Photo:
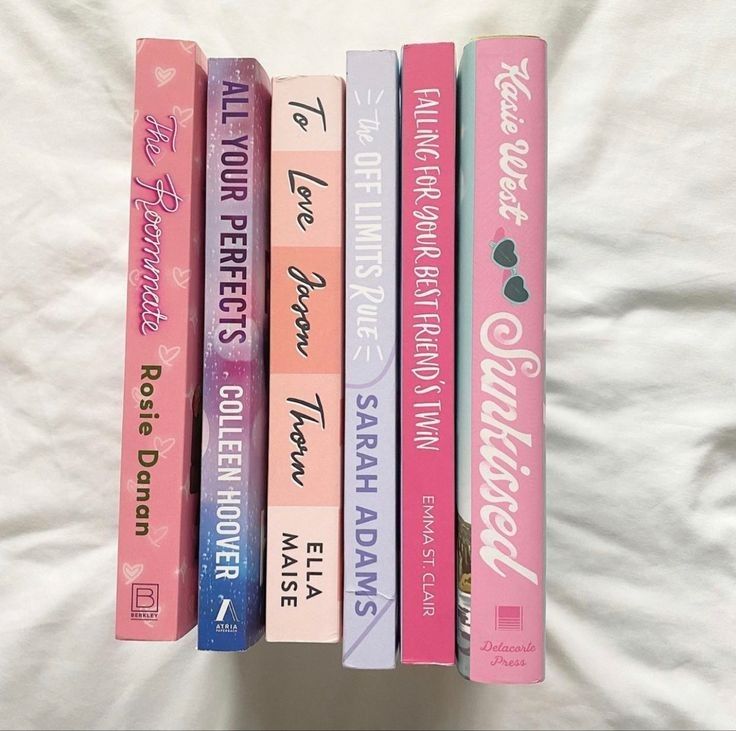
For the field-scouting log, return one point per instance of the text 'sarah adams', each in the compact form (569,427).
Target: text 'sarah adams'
(303,588)
(502,216)
(234,397)
(159,473)
(428,352)
(371,371)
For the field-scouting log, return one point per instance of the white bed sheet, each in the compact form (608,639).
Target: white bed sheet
(641,345)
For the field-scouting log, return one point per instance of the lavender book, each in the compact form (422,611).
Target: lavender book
(371,225)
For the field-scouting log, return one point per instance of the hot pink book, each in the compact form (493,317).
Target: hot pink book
(159,474)
(500,426)
(427,354)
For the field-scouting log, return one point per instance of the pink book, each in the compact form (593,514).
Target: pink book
(427,354)
(159,474)
(500,466)
(304,563)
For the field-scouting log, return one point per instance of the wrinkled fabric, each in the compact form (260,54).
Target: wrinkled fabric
(641,404)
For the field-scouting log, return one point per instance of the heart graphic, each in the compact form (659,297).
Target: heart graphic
(168,355)
(181,277)
(134,277)
(158,535)
(164,445)
(163,76)
(183,115)
(515,291)
(139,44)
(131,486)
(188,47)
(136,393)
(149,624)
(132,572)
(500,233)
(504,254)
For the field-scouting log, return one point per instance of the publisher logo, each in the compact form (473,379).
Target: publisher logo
(509,618)
(144,602)
(227,618)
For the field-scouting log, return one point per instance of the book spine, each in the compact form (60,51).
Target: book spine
(371,324)
(231,589)
(427,355)
(159,475)
(502,220)
(304,569)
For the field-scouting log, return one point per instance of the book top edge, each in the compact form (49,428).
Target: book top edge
(310,77)
(430,44)
(235,59)
(166,40)
(361,51)
(477,39)
(218,64)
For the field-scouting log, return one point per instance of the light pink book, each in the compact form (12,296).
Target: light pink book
(501,303)
(159,473)
(303,554)
(427,354)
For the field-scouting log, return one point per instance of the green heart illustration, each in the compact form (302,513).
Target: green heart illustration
(515,291)
(504,254)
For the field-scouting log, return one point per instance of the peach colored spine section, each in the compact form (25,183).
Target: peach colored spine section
(303,594)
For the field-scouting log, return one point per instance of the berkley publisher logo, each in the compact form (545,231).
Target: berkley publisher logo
(144,602)
(227,618)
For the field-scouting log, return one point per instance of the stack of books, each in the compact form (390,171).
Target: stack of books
(334,377)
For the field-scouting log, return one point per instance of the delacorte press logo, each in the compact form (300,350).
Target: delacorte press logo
(227,618)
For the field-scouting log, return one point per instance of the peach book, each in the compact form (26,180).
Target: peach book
(303,587)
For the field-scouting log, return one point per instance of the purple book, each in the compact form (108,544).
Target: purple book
(234,453)
(371,321)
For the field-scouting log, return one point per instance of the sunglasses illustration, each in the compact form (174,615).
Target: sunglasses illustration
(505,256)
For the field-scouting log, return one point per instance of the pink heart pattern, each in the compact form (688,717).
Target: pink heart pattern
(181,277)
(164,445)
(158,535)
(163,76)
(134,277)
(132,572)
(168,355)
(183,115)
(136,393)
(139,44)
(188,47)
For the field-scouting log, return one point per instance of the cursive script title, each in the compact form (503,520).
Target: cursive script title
(511,82)
(155,199)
